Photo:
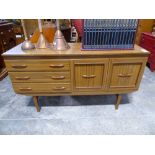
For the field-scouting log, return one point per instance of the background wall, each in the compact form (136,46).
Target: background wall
(31,25)
(145,25)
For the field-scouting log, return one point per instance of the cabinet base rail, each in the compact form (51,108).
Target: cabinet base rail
(117,103)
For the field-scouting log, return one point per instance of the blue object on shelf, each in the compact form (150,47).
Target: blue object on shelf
(100,34)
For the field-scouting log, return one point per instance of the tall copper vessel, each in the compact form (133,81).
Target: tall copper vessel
(42,42)
(59,42)
(26,45)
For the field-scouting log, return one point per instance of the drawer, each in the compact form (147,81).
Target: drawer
(40,77)
(41,87)
(37,65)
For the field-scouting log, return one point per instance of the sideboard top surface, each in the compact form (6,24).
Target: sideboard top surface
(75,50)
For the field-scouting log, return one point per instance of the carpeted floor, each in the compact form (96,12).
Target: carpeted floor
(79,114)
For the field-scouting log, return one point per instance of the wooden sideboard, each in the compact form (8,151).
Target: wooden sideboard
(45,72)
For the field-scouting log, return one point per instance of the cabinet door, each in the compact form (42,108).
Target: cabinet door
(126,73)
(90,74)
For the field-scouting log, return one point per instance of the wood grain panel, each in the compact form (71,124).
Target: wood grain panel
(41,87)
(125,73)
(73,52)
(53,77)
(90,74)
(35,65)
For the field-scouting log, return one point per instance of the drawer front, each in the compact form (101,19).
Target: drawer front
(24,88)
(40,77)
(89,75)
(126,73)
(37,65)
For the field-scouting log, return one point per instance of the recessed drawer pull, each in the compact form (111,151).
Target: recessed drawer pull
(57,77)
(22,78)
(123,75)
(55,66)
(59,88)
(19,66)
(25,89)
(88,76)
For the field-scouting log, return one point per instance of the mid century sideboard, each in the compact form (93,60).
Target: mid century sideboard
(45,72)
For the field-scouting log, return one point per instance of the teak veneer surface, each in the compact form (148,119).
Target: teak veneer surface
(75,50)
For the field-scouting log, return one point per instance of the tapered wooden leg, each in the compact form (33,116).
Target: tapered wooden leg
(35,100)
(118,100)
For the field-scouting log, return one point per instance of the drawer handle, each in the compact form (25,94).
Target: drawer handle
(59,88)
(19,66)
(55,66)
(88,76)
(25,89)
(22,78)
(123,75)
(57,77)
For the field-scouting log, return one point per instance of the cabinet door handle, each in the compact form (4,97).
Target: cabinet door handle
(56,66)
(25,89)
(22,78)
(57,77)
(19,66)
(59,88)
(88,76)
(124,75)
